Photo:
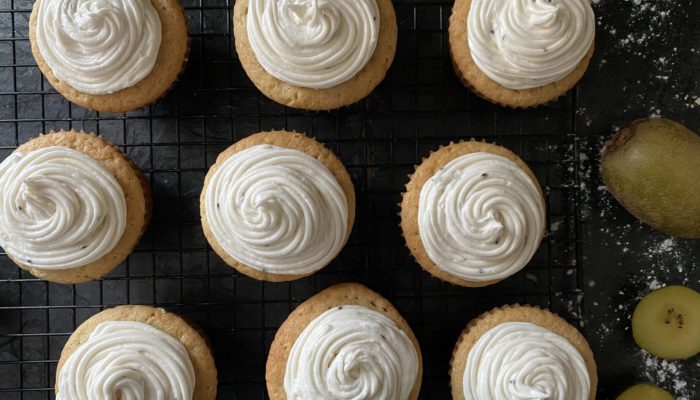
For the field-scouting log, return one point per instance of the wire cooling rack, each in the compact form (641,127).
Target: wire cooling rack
(418,107)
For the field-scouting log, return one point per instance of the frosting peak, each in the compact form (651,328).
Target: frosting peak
(59,208)
(98,46)
(523,44)
(543,14)
(313,43)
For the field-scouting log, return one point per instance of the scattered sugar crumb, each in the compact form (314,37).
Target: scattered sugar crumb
(555,226)
(654,284)
(532,277)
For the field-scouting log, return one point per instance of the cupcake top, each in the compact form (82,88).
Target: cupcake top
(315,44)
(59,208)
(523,44)
(481,217)
(523,361)
(98,46)
(351,352)
(277,210)
(127,360)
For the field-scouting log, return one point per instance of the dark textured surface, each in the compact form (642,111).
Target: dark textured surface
(591,268)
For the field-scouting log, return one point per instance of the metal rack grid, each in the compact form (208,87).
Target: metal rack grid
(418,107)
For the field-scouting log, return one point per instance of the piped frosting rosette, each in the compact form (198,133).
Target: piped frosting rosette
(277,210)
(99,46)
(316,44)
(481,217)
(127,360)
(523,361)
(59,208)
(351,352)
(524,44)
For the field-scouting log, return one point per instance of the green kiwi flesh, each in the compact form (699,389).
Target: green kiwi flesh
(666,323)
(645,392)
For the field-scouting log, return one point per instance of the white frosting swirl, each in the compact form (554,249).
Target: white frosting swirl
(277,210)
(313,43)
(98,46)
(59,208)
(351,353)
(481,217)
(523,361)
(127,360)
(523,44)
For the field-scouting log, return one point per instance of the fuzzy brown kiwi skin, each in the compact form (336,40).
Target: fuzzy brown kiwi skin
(652,167)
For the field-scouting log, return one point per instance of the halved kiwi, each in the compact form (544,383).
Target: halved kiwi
(666,323)
(645,391)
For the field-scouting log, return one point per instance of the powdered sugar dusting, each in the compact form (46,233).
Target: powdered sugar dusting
(646,38)
(667,374)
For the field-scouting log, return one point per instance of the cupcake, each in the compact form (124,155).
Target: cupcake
(473,214)
(277,206)
(136,352)
(112,56)
(346,342)
(315,55)
(522,352)
(72,206)
(521,53)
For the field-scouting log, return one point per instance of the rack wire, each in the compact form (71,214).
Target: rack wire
(418,107)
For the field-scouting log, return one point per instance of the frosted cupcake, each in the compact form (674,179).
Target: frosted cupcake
(522,352)
(473,214)
(277,206)
(136,352)
(521,53)
(346,342)
(72,206)
(315,54)
(112,56)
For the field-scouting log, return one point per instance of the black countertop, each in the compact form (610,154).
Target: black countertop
(594,264)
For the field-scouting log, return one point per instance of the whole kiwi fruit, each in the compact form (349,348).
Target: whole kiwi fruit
(652,167)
